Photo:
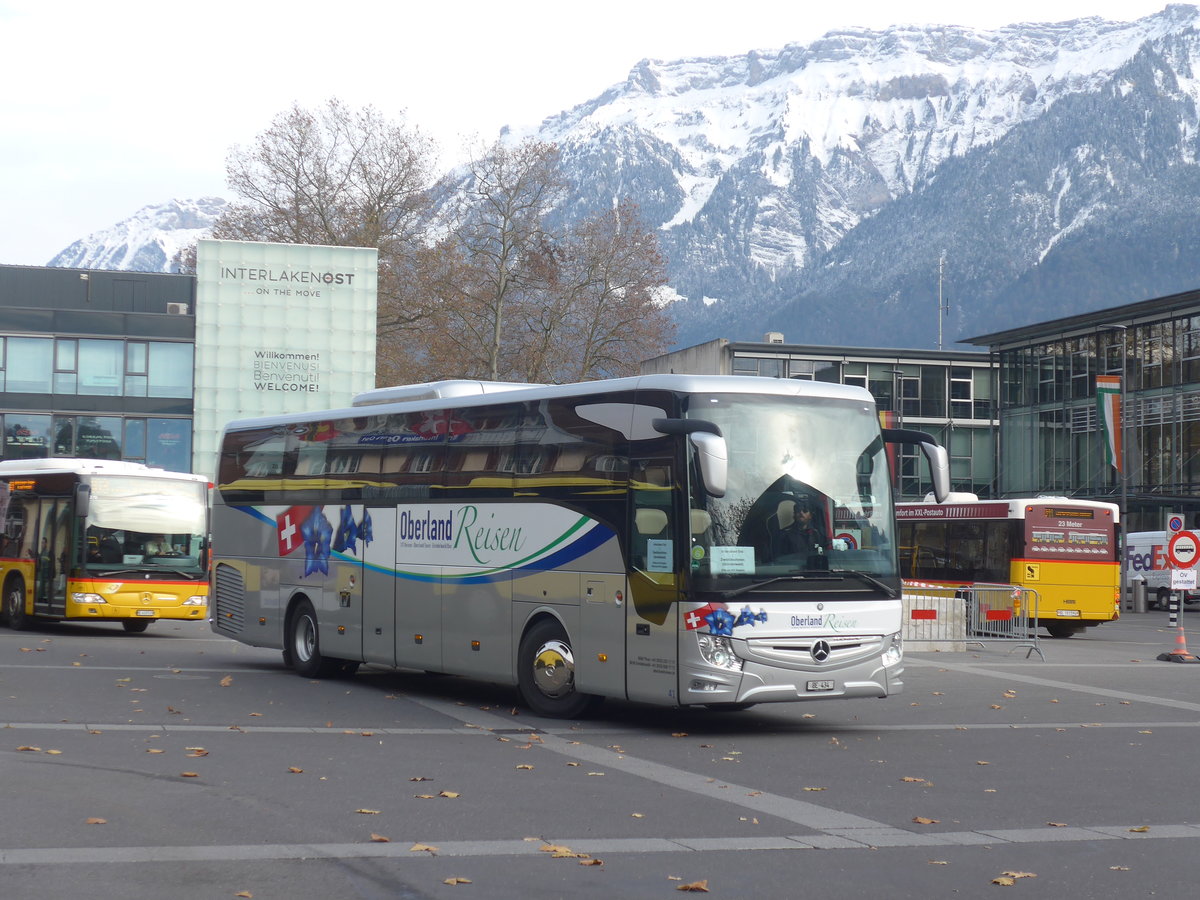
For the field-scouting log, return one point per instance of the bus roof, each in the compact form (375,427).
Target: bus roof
(55,465)
(459,393)
(1008,508)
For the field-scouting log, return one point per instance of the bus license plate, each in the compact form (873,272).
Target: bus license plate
(814,686)
(1068,613)
(145,612)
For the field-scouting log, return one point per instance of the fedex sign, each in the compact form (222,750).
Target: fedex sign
(1146,558)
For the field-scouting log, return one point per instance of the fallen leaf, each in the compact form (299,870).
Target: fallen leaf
(423,847)
(424,796)
(982,762)
(380,839)
(1019,874)
(30,749)
(575,764)
(95,820)
(451,795)
(198,752)
(591,862)
(1118,868)
(295,770)
(913,780)
(1057,824)
(456,880)
(815,789)
(700,887)
(638,815)
(554,848)
(226,681)
(245,895)
(595,773)
(679,734)
(527,766)
(1141,829)
(368,812)
(54,752)
(938,862)
(921,820)
(420,778)
(1004,882)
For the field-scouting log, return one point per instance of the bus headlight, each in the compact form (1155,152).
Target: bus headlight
(81,597)
(893,649)
(196,601)
(718,651)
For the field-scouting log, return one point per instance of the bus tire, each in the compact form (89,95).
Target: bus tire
(728,707)
(546,672)
(135,626)
(303,649)
(14,604)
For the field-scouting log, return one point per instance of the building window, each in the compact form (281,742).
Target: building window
(30,363)
(170,370)
(962,393)
(169,444)
(101,367)
(136,380)
(745,365)
(26,437)
(66,366)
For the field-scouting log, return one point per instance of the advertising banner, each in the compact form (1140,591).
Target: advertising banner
(279,328)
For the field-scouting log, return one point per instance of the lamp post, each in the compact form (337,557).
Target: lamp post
(1124,468)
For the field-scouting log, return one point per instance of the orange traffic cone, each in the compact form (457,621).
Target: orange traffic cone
(1180,653)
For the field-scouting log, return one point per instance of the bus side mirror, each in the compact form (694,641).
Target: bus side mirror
(711,452)
(713,457)
(83,500)
(935,453)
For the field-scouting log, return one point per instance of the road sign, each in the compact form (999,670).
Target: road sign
(1183,549)
(1174,523)
(1183,579)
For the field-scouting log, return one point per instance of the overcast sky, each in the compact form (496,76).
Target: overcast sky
(109,107)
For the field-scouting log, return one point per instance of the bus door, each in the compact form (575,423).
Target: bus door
(654,548)
(401,615)
(52,557)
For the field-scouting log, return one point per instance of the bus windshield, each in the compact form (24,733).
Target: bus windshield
(136,522)
(808,498)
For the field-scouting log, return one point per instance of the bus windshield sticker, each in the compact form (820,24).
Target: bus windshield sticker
(658,555)
(732,560)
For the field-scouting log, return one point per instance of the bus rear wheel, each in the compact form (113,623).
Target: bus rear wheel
(546,673)
(14,605)
(303,647)
(135,626)
(1064,631)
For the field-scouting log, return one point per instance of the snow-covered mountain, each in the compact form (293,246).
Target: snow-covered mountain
(148,240)
(815,189)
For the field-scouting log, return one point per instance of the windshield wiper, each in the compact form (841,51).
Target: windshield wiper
(871,580)
(836,575)
(737,592)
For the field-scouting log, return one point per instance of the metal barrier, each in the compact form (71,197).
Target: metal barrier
(934,619)
(1003,613)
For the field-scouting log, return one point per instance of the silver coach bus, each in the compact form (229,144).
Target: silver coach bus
(670,539)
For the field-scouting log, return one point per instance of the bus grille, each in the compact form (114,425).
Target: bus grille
(229,603)
(797,652)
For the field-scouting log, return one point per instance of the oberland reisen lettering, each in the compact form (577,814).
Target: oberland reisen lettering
(242,273)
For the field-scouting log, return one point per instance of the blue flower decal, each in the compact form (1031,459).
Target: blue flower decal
(364,528)
(316,532)
(347,532)
(720,622)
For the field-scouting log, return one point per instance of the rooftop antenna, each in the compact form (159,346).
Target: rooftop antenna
(943,308)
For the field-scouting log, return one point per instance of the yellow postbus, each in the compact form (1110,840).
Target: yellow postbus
(1064,549)
(102,540)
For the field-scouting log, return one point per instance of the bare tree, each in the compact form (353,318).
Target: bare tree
(499,234)
(605,313)
(341,177)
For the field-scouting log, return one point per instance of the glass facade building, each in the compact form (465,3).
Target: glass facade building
(950,394)
(1051,439)
(96,364)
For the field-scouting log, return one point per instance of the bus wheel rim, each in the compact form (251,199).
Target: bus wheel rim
(554,669)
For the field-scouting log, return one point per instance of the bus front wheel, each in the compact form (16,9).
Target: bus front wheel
(14,605)
(135,626)
(546,673)
(303,650)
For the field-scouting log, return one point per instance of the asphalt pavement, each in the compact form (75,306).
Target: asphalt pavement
(178,763)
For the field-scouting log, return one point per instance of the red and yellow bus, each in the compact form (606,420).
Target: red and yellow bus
(102,540)
(1064,549)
